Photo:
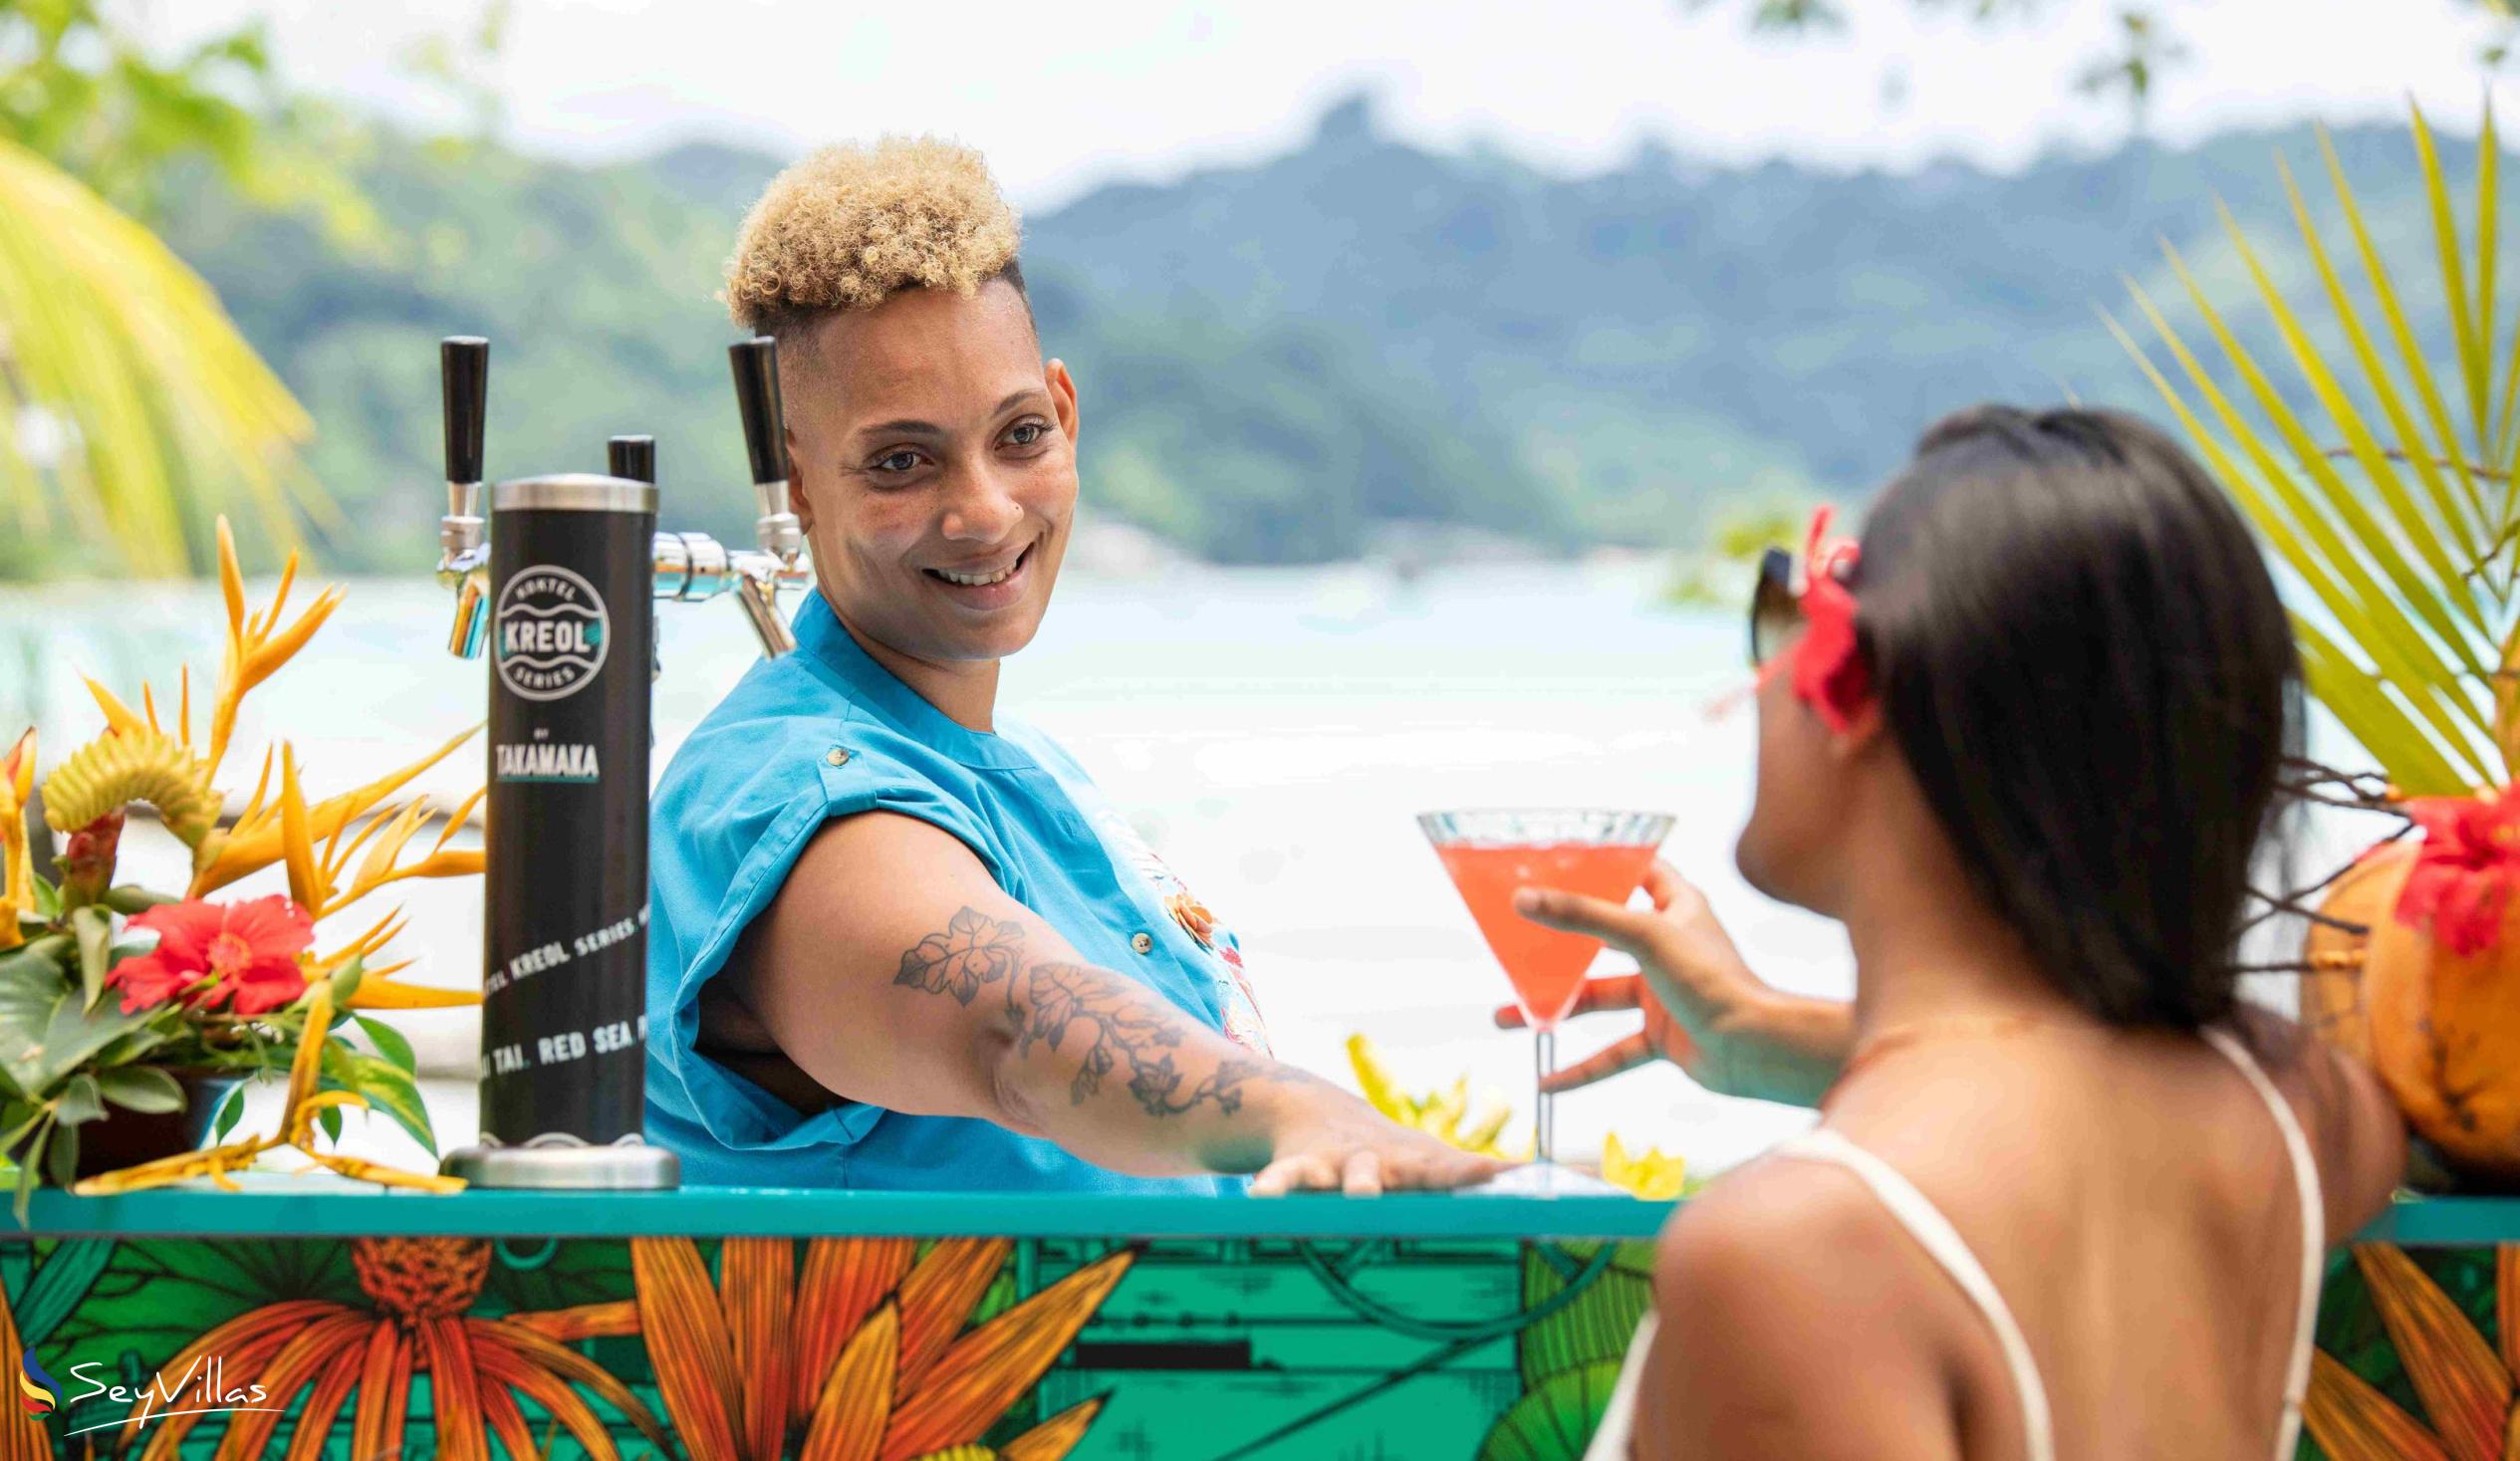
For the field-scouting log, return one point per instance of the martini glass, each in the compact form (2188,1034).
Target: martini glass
(1601,854)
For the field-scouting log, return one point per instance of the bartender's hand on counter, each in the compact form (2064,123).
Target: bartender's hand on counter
(1703,1009)
(892,970)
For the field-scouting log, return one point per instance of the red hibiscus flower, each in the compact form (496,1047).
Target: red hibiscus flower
(2465,868)
(1829,670)
(248,951)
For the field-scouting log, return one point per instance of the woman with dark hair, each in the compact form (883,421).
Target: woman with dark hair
(2069,1196)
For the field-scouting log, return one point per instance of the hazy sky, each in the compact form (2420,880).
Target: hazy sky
(1064,96)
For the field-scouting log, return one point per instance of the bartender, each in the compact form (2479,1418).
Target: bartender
(898,941)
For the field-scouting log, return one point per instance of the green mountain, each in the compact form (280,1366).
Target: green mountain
(1278,361)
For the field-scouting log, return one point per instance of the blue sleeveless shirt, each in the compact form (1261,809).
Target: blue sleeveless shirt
(829,732)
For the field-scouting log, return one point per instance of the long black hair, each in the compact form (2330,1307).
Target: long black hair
(2081,655)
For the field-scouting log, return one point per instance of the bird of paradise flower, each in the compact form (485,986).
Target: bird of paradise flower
(142,758)
(2467,1386)
(858,1354)
(415,1322)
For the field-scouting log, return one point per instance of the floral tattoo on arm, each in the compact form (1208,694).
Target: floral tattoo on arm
(1116,1028)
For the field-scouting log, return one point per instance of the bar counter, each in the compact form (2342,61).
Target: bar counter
(759,1323)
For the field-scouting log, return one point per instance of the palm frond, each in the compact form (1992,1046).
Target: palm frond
(2465,331)
(2410,351)
(2311,546)
(162,414)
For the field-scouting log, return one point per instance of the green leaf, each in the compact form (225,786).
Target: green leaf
(61,1155)
(1555,1420)
(47,899)
(142,1089)
(345,984)
(390,1042)
(2410,528)
(125,1049)
(2455,517)
(129,897)
(2410,352)
(2417,594)
(44,957)
(2488,165)
(2369,714)
(18,1118)
(29,1163)
(2348,593)
(330,1118)
(391,1089)
(45,1033)
(81,1100)
(231,1111)
(174,415)
(94,928)
(65,1278)
(2464,329)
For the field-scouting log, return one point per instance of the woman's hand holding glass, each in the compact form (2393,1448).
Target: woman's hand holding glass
(1705,1011)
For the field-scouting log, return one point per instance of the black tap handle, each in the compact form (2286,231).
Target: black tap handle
(634,457)
(464,362)
(756,363)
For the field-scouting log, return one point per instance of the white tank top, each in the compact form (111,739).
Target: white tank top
(1941,1242)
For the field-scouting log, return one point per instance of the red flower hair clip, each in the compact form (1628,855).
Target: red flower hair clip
(1827,666)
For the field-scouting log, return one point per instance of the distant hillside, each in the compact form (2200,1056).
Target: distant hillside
(1277,360)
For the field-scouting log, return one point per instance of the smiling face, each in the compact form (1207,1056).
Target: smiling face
(934,454)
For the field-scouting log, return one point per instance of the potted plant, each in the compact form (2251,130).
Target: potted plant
(129,1017)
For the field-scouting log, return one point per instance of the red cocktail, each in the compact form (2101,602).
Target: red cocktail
(1601,854)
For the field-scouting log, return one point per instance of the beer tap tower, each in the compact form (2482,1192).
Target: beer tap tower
(560,584)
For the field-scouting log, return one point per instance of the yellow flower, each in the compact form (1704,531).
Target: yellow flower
(1440,1114)
(254,651)
(1652,1176)
(17,863)
(259,839)
(121,767)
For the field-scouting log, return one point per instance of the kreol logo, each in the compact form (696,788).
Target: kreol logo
(37,1392)
(551,631)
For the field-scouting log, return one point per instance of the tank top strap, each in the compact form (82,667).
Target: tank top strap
(2314,1224)
(1942,1243)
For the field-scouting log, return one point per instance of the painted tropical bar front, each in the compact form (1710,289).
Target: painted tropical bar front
(307,1318)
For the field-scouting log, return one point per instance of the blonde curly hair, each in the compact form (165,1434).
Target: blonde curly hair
(850,226)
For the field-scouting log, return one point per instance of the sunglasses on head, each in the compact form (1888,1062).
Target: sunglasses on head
(1809,634)
(1776,612)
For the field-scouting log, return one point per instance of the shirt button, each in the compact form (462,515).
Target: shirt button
(1143,943)
(836,756)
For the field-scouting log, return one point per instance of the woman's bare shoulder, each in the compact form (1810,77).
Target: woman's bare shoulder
(1796,1322)
(2356,1137)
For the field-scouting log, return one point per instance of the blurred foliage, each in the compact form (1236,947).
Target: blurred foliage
(1718,573)
(2142,42)
(82,84)
(131,412)
(1355,347)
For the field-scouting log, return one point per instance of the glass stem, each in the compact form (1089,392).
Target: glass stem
(1544,1111)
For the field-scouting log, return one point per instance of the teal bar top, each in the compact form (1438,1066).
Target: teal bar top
(272,1206)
